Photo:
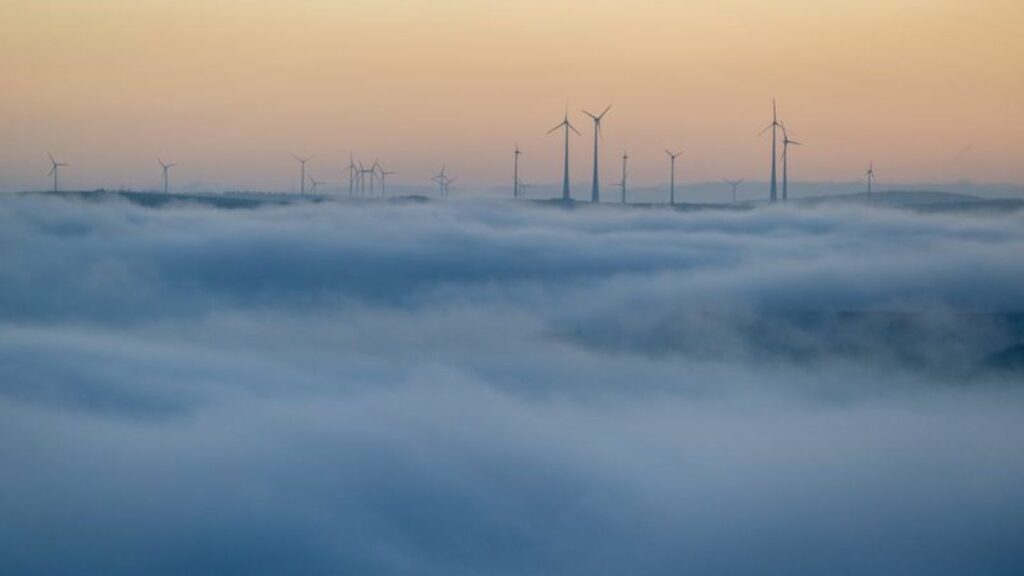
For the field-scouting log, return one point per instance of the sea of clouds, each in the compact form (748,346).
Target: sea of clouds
(508,389)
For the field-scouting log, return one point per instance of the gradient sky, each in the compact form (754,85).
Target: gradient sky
(931,90)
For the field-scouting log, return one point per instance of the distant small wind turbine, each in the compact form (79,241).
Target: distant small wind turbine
(595,192)
(672,176)
(55,172)
(314,185)
(786,143)
(363,173)
(565,124)
(164,169)
(515,171)
(443,181)
(625,161)
(774,126)
(735,184)
(374,173)
(383,175)
(871,178)
(351,175)
(302,176)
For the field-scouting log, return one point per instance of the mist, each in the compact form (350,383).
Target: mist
(490,387)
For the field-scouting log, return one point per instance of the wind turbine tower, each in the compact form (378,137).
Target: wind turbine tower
(786,143)
(567,126)
(302,176)
(55,172)
(351,175)
(515,171)
(595,192)
(165,168)
(625,161)
(774,126)
(672,176)
(871,178)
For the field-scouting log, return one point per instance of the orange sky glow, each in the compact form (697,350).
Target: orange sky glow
(931,90)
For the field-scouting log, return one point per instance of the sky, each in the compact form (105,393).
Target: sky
(930,90)
(474,387)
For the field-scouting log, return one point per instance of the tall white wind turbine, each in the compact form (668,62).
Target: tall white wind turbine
(595,192)
(774,126)
(567,126)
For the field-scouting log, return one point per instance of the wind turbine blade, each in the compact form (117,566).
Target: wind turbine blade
(573,128)
(51,158)
(556,127)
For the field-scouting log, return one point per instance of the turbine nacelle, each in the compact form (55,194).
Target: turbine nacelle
(567,125)
(597,118)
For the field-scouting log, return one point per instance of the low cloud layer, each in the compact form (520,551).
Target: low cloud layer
(499,388)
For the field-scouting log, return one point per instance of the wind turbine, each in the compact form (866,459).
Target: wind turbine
(735,184)
(871,178)
(361,176)
(362,171)
(55,172)
(374,169)
(165,168)
(565,171)
(774,126)
(786,143)
(595,192)
(625,161)
(383,178)
(351,175)
(302,177)
(443,181)
(315,185)
(515,171)
(672,178)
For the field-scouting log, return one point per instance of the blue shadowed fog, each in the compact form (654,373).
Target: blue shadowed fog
(473,388)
